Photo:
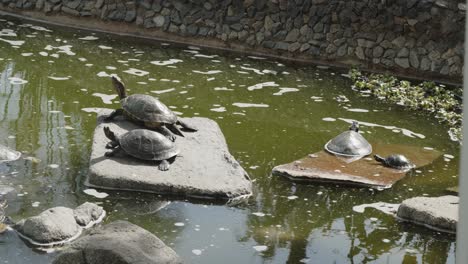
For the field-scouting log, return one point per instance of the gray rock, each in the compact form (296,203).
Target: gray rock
(119,242)
(294,46)
(425,64)
(88,213)
(377,52)
(399,41)
(304,47)
(292,35)
(159,20)
(403,53)
(360,53)
(402,62)
(342,50)
(281,45)
(53,225)
(413,59)
(204,169)
(439,213)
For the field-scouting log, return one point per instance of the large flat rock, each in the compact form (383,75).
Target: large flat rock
(439,213)
(325,167)
(205,168)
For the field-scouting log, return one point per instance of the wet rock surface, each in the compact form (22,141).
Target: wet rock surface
(204,167)
(59,224)
(325,167)
(7,154)
(440,213)
(120,242)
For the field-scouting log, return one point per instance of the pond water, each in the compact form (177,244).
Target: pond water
(271,113)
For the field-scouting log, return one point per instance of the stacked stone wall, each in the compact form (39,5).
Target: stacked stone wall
(420,37)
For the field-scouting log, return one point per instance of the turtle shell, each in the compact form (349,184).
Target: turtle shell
(148,145)
(146,108)
(398,161)
(350,144)
(7,154)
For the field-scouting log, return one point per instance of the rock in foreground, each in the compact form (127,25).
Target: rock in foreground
(439,213)
(204,167)
(59,225)
(119,242)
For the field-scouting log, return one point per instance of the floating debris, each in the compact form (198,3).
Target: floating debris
(243,105)
(93,192)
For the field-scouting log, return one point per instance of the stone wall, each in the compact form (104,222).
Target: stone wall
(414,37)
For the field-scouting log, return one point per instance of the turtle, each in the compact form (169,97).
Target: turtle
(396,161)
(7,154)
(349,143)
(4,220)
(148,111)
(143,144)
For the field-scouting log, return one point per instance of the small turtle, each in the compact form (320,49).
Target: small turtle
(349,143)
(143,144)
(149,111)
(7,154)
(396,161)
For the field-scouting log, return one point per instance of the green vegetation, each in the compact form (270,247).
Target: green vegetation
(445,104)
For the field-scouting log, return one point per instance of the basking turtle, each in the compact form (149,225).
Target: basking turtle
(7,154)
(395,161)
(149,111)
(349,143)
(143,144)
(3,218)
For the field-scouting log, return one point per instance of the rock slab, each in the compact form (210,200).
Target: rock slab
(119,242)
(439,213)
(325,167)
(59,225)
(204,167)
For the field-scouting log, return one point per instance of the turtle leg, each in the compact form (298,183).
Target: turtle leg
(112,152)
(174,129)
(111,145)
(186,126)
(113,114)
(164,165)
(167,133)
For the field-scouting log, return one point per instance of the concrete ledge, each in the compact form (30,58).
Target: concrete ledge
(204,169)
(438,213)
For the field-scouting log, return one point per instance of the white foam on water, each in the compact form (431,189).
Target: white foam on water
(256,58)
(194,48)
(292,197)
(199,55)
(111,68)
(55,111)
(260,248)
(104,47)
(106,98)
(211,79)
(261,85)
(259,214)
(387,208)
(35,204)
(17,80)
(6,32)
(259,72)
(329,119)
(26,54)
(404,131)
(207,72)
(66,49)
(179,224)
(166,62)
(136,72)
(163,91)
(197,252)
(357,110)
(53,166)
(284,90)
(92,109)
(93,192)
(448,156)
(59,78)
(89,38)
(218,109)
(244,105)
(15,43)
(103,74)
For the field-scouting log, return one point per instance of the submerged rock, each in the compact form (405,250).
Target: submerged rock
(204,167)
(7,154)
(119,242)
(439,213)
(59,225)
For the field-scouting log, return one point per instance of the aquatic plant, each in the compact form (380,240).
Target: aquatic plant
(442,102)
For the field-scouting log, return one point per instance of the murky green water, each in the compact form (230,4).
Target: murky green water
(48,80)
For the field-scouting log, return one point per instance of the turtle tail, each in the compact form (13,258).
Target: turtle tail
(109,134)
(174,129)
(119,87)
(186,126)
(379,159)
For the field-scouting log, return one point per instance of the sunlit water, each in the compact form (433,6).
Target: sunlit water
(52,82)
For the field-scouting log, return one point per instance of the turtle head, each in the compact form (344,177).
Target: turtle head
(110,135)
(354,127)
(379,158)
(119,86)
